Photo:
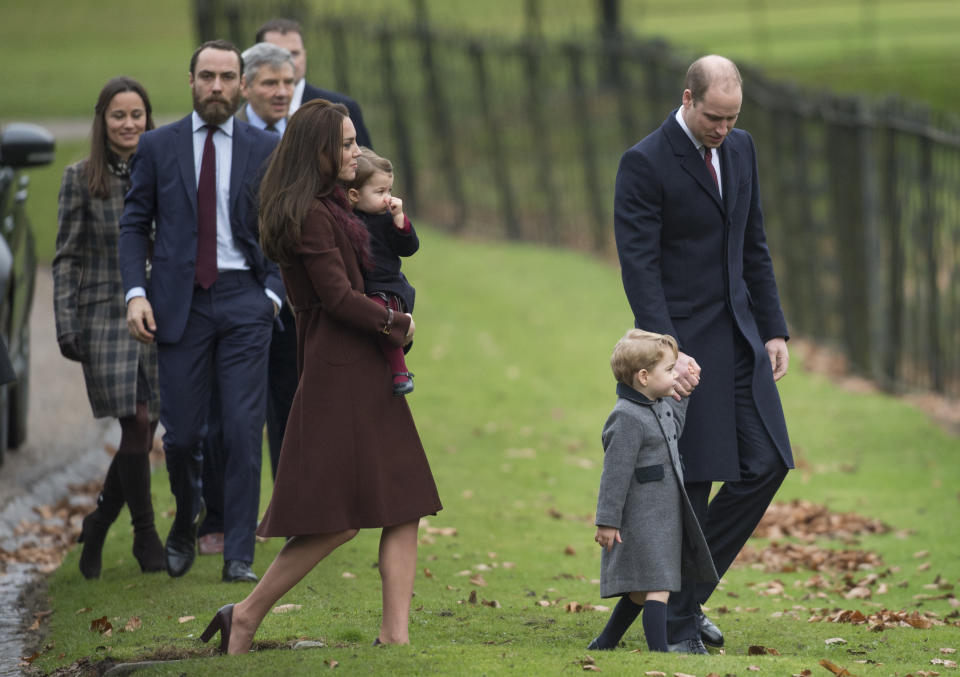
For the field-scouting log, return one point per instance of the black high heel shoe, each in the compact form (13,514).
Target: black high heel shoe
(222,622)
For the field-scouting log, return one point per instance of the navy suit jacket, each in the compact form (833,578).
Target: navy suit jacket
(310,93)
(164,191)
(697,267)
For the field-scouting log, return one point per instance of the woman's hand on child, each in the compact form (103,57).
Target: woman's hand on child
(396,209)
(607,537)
(410,331)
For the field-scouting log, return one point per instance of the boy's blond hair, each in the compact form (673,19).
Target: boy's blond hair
(639,349)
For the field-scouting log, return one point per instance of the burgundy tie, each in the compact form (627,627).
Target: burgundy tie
(206,270)
(708,158)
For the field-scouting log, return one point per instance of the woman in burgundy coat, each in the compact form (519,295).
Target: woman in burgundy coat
(351,455)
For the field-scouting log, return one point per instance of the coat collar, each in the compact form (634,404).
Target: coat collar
(628,393)
(692,162)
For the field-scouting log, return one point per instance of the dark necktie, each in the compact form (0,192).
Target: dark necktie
(206,270)
(708,158)
(271,128)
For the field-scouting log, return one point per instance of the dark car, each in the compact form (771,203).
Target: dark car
(21,145)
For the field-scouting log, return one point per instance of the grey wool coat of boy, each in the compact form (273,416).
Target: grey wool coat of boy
(642,495)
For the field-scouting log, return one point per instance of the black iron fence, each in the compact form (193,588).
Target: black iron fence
(520,139)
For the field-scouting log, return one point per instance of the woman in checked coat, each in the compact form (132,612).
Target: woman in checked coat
(120,373)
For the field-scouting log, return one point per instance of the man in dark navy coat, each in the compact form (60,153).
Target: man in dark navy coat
(210,300)
(695,265)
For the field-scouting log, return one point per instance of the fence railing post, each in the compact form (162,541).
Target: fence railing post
(893,214)
(928,231)
(588,147)
(403,158)
(498,164)
(845,167)
(540,130)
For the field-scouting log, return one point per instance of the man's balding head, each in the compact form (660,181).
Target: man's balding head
(712,71)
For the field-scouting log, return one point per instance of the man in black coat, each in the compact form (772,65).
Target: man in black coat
(695,265)
(282,380)
(287,34)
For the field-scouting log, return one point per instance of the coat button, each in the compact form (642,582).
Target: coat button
(668,413)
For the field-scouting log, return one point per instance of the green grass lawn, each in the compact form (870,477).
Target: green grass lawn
(513,386)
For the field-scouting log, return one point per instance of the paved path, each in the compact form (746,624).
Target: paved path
(65,445)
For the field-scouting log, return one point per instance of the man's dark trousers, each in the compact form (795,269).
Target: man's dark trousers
(730,518)
(282,382)
(226,338)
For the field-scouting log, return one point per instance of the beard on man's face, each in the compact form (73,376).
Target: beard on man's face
(215,109)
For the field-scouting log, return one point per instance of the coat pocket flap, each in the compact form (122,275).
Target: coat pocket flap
(649,473)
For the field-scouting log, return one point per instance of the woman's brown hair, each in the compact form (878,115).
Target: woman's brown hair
(303,168)
(97,170)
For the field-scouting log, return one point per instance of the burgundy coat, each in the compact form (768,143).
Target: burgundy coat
(351,455)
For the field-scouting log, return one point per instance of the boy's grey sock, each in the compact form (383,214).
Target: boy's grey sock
(655,625)
(623,615)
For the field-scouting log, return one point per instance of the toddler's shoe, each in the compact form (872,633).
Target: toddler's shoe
(402,383)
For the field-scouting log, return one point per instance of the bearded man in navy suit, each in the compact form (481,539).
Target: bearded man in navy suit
(210,300)
(695,265)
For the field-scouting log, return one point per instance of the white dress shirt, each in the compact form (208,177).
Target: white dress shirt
(297,96)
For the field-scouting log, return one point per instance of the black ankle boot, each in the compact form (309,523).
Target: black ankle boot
(135,476)
(97,523)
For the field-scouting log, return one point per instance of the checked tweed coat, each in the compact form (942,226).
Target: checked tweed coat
(88,296)
(642,495)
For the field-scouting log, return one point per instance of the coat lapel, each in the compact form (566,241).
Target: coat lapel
(238,169)
(690,159)
(183,142)
(729,161)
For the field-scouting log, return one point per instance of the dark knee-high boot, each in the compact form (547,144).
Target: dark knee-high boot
(97,523)
(135,475)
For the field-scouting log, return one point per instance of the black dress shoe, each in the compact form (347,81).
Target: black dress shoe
(688,646)
(238,571)
(709,633)
(181,547)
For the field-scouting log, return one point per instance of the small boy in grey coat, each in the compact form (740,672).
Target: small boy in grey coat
(645,523)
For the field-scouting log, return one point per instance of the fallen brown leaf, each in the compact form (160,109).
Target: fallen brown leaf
(133,624)
(569,550)
(185,619)
(478,580)
(835,669)
(427,573)
(101,625)
(834,640)
(347,574)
